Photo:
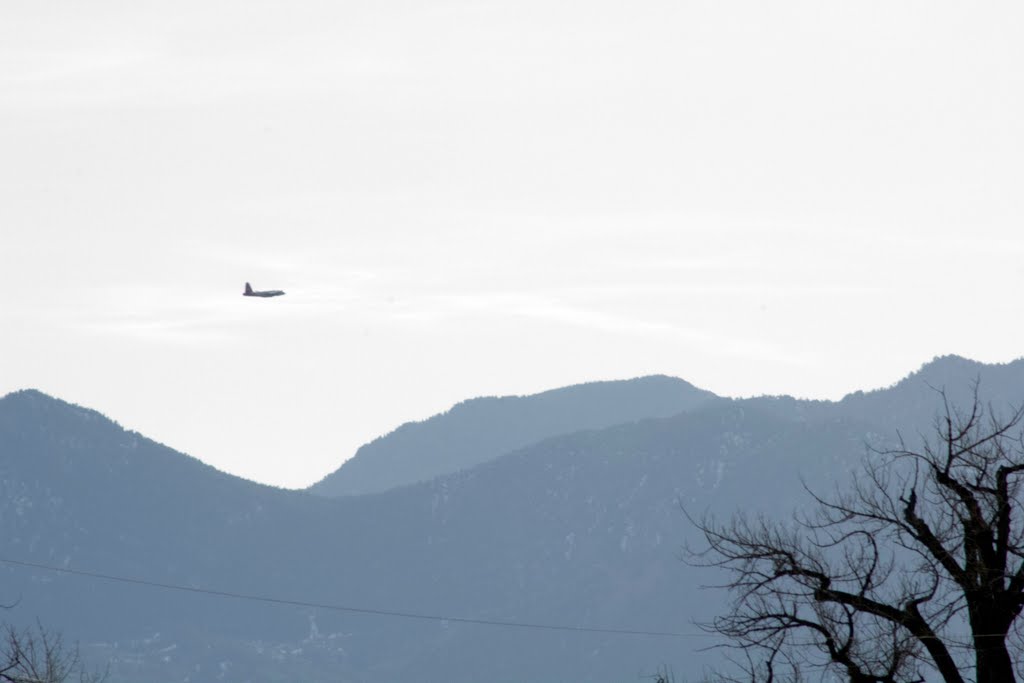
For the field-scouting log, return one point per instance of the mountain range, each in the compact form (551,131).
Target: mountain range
(482,429)
(514,539)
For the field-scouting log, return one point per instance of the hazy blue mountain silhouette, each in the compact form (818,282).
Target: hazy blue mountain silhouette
(912,403)
(482,429)
(915,399)
(582,529)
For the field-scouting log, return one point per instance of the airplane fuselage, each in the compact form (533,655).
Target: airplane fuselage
(249,291)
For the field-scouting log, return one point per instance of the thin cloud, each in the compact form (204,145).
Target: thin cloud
(35,67)
(178,332)
(544,314)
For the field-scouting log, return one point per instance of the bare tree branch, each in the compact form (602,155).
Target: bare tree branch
(874,583)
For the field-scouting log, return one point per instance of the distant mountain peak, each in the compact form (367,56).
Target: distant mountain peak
(27,395)
(953,369)
(35,396)
(946,363)
(36,402)
(480,429)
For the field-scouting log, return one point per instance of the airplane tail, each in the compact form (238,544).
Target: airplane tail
(248,288)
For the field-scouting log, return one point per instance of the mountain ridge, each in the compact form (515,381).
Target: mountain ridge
(479,429)
(578,529)
(49,413)
(581,529)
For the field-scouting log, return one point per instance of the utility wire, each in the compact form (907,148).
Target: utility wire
(388,613)
(346,608)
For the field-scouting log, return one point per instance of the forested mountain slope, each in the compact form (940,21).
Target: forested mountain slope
(482,429)
(582,530)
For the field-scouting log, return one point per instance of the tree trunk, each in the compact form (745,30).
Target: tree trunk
(993,661)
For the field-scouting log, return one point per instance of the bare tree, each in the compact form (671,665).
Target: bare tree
(919,565)
(764,663)
(36,655)
(776,616)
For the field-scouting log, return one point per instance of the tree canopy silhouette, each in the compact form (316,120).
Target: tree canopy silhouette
(916,567)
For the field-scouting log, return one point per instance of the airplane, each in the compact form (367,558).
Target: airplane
(249,291)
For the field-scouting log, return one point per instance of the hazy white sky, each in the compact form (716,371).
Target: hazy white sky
(471,198)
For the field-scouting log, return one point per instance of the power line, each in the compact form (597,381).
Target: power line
(347,608)
(383,612)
